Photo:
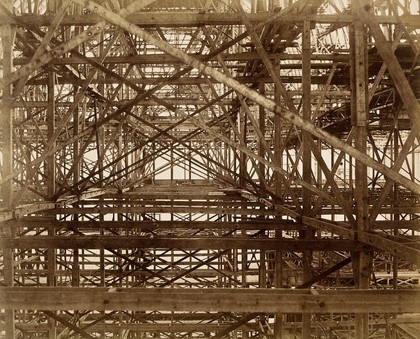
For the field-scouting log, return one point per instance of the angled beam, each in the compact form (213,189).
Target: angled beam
(44,43)
(252,95)
(385,49)
(325,274)
(68,324)
(265,58)
(57,51)
(192,269)
(242,321)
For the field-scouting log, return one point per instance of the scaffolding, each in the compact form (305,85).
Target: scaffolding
(209,169)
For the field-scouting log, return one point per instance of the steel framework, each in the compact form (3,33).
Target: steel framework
(209,169)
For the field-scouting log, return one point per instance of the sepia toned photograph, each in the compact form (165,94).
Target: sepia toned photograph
(219,169)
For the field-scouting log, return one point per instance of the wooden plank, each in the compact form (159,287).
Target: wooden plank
(229,300)
(188,19)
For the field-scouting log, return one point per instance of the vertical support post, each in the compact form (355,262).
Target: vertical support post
(76,179)
(306,158)
(261,151)
(100,140)
(362,260)
(263,270)
(119,154)
(392,333)
(7,36)
(242,176)
(50,175)
(52,281)
(76,143)
(7,40)
(171,168)
(396,216)
(50,163)
(51,6)
(242,156)
(244,262)
(278,264)
(9,317)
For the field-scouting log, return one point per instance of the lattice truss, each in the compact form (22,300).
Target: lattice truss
(209,168)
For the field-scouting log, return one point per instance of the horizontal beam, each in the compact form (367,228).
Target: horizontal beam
(164,209)
(402,250)
(316,80)
(138,327)
(201,327)
(162,58)
(341,229)
(228,300)
(22,210)
(193,19)
(156,225)
(215,243)
(172,101)
(400,224)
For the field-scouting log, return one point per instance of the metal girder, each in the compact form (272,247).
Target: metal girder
(229,300)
